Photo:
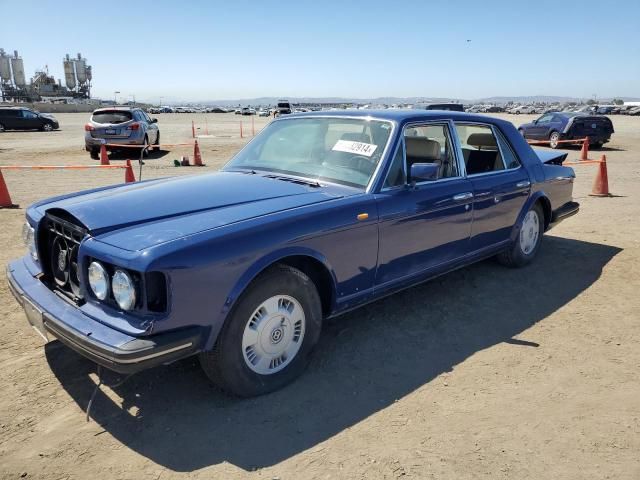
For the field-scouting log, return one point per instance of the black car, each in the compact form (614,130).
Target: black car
(555,126)
(18,118)
(452,107)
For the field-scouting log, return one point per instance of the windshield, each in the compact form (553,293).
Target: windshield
(340,150)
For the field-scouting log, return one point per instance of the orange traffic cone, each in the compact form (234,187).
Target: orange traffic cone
(584,154)
(104,158)
(129,177)
(601,183)
(197,158)
(5,198)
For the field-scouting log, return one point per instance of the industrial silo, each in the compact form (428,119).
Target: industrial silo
(5,67)
(81,72)
(69,73)
(18,70)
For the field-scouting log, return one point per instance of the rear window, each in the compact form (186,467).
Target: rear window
(112,116)
(284,105)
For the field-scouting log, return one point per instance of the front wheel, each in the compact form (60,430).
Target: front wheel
(554,139)
(267,339)
(47,127)
(524,249)
(596,145)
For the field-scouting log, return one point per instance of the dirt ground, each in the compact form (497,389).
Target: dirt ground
(486,372)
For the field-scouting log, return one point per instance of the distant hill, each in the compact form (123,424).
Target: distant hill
(396,100)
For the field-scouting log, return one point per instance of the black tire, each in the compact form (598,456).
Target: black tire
(2,129)
(95,154)
(145,148)
(553,139)
(46,127)
(515,257)
(596,145)
(225,365)
(157,142)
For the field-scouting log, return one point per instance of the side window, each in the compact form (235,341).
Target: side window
(508,155)
(28,114)
(431,144)
(545,119)
(396,175)
(480,149)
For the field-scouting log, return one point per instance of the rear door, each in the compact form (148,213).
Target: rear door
(501,184)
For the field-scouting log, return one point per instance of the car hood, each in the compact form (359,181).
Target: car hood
(140,215)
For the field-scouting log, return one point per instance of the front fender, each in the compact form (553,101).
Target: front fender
(255,269)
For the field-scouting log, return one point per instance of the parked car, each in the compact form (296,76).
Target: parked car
(320,213)
(454,107)
(558,126)
(284,107)
(633,111)
(120,125)
(19,118)
(263,113)
(525,109)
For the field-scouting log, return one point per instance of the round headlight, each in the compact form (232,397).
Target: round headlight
(98,280)
(124,290)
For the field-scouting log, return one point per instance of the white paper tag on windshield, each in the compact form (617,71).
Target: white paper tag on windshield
(357,148)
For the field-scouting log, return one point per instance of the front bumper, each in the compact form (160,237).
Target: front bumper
(104,345)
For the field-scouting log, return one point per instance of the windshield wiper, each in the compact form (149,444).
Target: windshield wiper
(301,181)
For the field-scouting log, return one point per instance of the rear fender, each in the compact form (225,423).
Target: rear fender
(536,196)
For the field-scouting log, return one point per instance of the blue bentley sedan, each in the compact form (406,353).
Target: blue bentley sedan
(320,213)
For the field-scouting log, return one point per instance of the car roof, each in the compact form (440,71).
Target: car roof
(400,115)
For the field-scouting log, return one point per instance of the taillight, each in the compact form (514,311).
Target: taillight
(88,127)
(133,126)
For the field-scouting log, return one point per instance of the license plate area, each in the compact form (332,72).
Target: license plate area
(35,318)
(111,131)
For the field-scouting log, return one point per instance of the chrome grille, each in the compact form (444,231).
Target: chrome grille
(62,243)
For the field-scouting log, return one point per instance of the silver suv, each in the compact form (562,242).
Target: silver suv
(120,125)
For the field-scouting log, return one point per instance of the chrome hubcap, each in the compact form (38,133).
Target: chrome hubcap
(529,232)
(273,335)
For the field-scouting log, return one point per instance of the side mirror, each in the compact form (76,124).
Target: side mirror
(421,172)
(154,120)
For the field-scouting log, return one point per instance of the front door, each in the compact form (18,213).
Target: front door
(422,225)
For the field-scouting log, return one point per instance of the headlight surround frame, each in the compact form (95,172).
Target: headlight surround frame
(29,239)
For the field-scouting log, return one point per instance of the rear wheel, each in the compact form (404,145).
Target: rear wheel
(596,145)
(554,139)
(145,147)
(524,249)
(95,154)
(1,127)
(267,340)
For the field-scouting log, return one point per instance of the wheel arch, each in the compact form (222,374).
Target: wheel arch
(310,262)
(537,197)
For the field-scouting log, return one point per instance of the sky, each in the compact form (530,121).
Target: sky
(216,50)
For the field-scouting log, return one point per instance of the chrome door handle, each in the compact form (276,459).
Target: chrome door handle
(524,184)
(462,196)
